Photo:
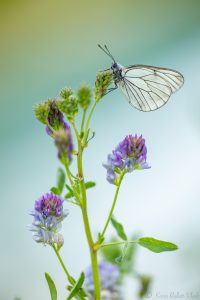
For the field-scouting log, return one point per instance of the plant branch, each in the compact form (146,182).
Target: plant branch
(113,205)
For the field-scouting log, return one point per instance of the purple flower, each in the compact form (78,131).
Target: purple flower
(48,214)
(63,141)
(55,118)
(109,278)
(129,155)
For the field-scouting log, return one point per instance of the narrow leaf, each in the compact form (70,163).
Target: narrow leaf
(90,184)
(60,180)
(55,190)
(70,194)
(119,229)
(156,246)
(77,286)
(52,287)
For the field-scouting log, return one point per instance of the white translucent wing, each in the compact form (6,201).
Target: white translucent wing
(148,88)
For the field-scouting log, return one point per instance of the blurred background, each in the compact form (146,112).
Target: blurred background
(46,45)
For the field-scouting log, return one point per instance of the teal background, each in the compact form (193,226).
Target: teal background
(46,45)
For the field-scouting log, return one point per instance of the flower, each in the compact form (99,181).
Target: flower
(129,155)
(49,114)
(109,277)
(63,141)
(103,80)
(48,214)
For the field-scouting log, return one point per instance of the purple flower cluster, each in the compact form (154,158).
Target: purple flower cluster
(129,155)
(55,118)
(48,214)
(60,131)
(109,277)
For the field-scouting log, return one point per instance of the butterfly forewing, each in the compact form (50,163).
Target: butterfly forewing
(148,88)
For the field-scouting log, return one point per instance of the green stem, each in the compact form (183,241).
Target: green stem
(93,253)
(117,243)
(83,121)
(93,256)
(71,280)
(113,205)
(88,122)
(71,181)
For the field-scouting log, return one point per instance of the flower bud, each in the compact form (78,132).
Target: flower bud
(103,80)
(69,104)
(65,93)
(84,96)
(42,111)
(59,240)
(55,116)
(63,141)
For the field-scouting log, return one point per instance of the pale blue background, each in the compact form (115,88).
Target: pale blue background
(46,45)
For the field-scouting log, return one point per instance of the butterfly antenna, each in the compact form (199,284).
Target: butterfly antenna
(106,51)
(109,53)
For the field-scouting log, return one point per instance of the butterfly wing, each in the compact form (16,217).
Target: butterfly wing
(148,88)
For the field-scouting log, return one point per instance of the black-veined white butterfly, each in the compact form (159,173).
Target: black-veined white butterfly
(146,88)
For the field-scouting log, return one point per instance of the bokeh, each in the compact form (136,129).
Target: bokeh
(48,44)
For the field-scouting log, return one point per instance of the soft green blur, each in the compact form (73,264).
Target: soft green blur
(46,45)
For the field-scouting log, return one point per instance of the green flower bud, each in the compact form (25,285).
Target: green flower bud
(69,106)
(103,80)
(84,96)
(41,111)
(65,93)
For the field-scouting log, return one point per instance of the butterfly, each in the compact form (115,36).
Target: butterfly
(146,88)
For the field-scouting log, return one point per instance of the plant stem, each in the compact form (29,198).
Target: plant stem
(71,181)
(117,243)
(83,121)
(88,122)
(113,205)
(93,253)
(71,280)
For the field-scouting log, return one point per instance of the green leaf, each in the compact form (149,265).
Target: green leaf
(70,194)
(76,287)
(119,228)
(55,190)
(156,246)
(90,184)
(60,180)
(52,287)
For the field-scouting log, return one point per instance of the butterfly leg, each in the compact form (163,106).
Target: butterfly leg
(112,89)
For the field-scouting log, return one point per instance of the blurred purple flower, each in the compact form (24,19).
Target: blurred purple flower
(129,155)
(109,278)
(63,141)
(48,214)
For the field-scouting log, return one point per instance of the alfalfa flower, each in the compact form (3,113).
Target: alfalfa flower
(103,80)
(109,278)
(49,114)
(63,141)
(129,155)
(47,215)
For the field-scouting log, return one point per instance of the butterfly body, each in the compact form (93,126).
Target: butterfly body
(146,88)
(117,70)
